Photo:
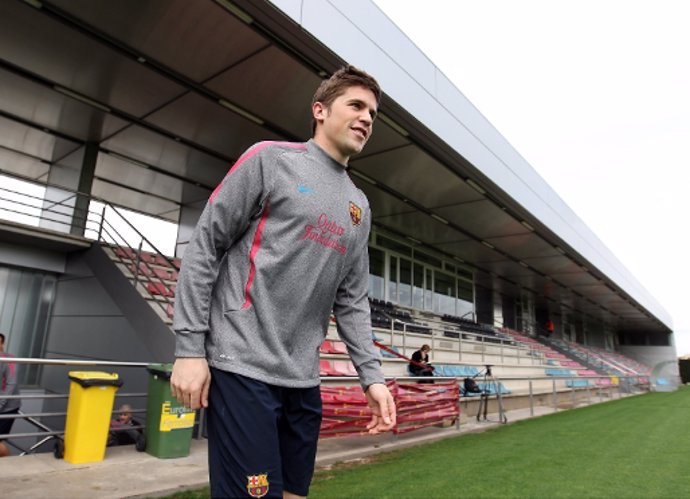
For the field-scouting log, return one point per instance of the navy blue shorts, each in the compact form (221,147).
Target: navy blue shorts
(261,438)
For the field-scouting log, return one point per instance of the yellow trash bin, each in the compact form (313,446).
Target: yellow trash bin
(89,410)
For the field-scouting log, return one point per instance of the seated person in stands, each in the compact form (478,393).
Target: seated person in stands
(420,362)
(126,434)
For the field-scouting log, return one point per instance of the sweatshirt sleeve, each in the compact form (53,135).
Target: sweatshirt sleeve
(233,205)
(353,316)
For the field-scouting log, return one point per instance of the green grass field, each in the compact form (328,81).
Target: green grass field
(637,447)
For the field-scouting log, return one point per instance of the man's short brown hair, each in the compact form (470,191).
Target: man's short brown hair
(335,86)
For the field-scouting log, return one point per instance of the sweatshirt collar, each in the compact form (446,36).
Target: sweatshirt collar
(317,151)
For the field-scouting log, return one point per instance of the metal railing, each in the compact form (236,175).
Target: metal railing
(555,395)
(107,226)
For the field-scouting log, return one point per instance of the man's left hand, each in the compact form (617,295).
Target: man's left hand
(382,405)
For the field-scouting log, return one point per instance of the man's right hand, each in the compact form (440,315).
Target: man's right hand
(190,381)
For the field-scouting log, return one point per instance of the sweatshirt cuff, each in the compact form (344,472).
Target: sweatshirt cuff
(370,373)
(190,344)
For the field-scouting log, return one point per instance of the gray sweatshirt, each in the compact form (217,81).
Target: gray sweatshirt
(281,242)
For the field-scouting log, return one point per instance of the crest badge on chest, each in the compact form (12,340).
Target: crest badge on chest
(355,214)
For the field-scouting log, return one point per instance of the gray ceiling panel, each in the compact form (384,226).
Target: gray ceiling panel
(528,247)
(25,139)
(207,123)
(117,170)
(382,204)
(196,42)
(595,291)
(416,175)
(382,140)
(421,227)
(513,271)
(282,98)
(576,279)
(136,201)
(469,250)
(482,218)
(554,265)
(45,47)
(19,164)
(48,108)
(154,149)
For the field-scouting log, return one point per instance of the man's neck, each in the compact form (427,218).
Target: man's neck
(330,149)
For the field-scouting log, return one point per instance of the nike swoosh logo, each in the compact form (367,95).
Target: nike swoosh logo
(304,189)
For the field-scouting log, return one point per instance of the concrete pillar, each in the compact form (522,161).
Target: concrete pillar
(193,202)
(63,209)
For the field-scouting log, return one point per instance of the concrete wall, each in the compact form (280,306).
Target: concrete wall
(87,323)
(31,258)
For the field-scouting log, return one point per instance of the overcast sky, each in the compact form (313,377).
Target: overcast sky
(595,95)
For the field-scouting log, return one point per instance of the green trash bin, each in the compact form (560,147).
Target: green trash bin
(169,424)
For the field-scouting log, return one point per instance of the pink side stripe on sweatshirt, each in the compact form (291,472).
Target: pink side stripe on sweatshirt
(256,244)
(251,152)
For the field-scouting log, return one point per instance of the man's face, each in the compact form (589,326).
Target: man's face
(344,128)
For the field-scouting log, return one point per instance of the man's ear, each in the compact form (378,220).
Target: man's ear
(319,111)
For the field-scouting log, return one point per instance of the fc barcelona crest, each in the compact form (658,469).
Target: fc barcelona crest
(355,214)
(257,485)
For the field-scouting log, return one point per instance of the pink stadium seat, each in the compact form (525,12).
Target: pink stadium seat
(170,310)
(168,274)
(157,288)
(124,252)
(147,257)
(163,262)
(345,366)
(326,347)
(325,369)
(339,347)
(336,347)
(143,269)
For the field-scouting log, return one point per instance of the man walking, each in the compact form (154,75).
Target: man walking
(281,243)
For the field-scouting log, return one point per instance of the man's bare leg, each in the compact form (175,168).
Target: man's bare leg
(290,495)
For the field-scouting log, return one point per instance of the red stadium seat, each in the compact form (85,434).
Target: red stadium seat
(124,252)
(325,369)
(157,288)
(345,366)
(334,347)
(143,269)
(168,274)
(147,257)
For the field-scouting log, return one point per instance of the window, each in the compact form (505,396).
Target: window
(377,262)
(405,285)
(26,298)
(393,278)
(418,287)
(444,293)
(426,258)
